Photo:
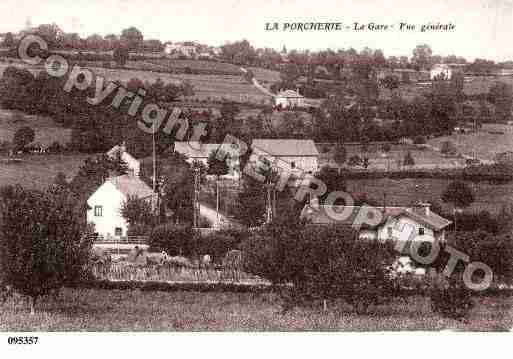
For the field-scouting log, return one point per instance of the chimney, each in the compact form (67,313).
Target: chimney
(123,147)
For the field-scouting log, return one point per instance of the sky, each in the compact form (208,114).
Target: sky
(484,28)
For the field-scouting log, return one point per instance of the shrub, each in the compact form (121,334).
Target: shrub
(175,239)
(408,159)
(448,148)
(217,244)
(419,140)
(322,263)
(43,242)
(450,298)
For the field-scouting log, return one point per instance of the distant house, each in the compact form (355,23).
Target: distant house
(104,205)
(134,165)
(288,99)
(183,49)
(196,151)
(419,219)
(288,154)
(445,70)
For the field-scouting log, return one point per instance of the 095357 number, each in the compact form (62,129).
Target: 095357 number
(22,340)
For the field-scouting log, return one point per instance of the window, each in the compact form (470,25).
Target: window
(98,211)
(389,232)
(118,231)
(421,231)
(292,164)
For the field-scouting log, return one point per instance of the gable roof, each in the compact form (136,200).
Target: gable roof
(289,94)
(131,186)
(286,147)
(119,150)
(319,215)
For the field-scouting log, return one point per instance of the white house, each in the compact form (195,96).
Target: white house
(188,50)
(288,99)
(290,155)
(440,70)
(134,165)
(416,220)
(104,205)
(196,151)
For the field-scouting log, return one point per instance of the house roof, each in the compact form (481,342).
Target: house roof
(131,186)
(119,150)
(286,147)
(321,215)
(203,150)
(289,94)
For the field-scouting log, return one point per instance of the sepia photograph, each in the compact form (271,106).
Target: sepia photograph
(242,166)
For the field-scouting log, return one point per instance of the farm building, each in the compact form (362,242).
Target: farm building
(104,205)
(288,99)
(134,165)
(401,222)
(288,154)
(196,151)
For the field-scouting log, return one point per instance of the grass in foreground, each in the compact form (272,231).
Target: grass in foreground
(116,310)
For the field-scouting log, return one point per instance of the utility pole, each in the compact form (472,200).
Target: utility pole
(195,198)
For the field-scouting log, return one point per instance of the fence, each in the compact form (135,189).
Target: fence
(140,240)
(170,274)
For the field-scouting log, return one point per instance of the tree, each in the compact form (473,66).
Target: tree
(501,95)
(43,241)
(459,194)
(408,159)
(333,181)
(217,164)
(422,56)
(137,212)
(60,180)
(22,138)
(340,154)
(8,40)
(133,38)
(121,55)
(448,148)
(390,82)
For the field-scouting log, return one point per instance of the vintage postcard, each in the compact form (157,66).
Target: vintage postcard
(243,166)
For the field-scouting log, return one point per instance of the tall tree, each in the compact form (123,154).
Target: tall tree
(132,37)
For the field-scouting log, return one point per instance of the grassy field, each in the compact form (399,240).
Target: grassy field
(47,131)
(134,310)
(38,171)
(425,158)
(206,87)
(490,197)
(198,65)
(485,143)
(264,75)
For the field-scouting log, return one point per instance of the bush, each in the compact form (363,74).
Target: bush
(322,263)
(175,239)
(408,159)
(43,242)
(217,244)
(419,140)
(450,298)
(448,148)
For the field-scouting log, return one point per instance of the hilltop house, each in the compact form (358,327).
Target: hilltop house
(104,205)
(134,165)
(288,99)
(288,154)
(419,219)
(196,151)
